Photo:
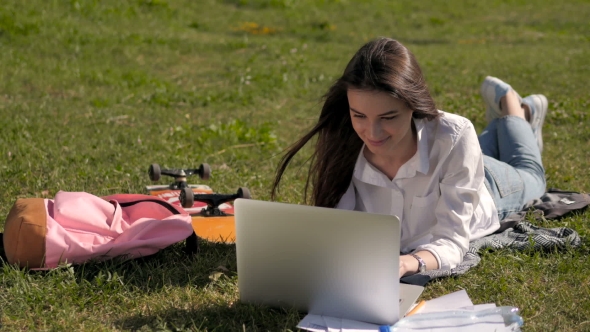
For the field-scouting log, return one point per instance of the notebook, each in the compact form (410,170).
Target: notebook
(321,261)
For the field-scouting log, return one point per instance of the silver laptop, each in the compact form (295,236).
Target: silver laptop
(322,261)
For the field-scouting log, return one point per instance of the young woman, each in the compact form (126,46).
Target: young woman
(383,147)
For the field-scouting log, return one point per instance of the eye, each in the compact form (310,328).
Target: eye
(360,116)
(388,117)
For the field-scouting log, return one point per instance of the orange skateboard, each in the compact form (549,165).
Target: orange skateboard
(212,215)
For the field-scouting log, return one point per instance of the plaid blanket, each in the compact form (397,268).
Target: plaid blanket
(522,236)
(518,234)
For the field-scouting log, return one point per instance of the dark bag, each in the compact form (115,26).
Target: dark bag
(554,204)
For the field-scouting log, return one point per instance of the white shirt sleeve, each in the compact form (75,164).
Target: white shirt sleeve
(461,177)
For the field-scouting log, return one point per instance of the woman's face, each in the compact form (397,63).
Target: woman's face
(383,122)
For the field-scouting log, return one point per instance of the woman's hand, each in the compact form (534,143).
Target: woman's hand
(402,268)
(408,264)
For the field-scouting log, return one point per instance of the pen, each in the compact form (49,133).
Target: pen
(416,308)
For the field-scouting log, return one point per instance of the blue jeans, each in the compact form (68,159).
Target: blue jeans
(512,161)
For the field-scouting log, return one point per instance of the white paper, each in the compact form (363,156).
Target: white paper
(317,323)
(313,323)
(452,301)
(333,324)
(354,326)
(458,300)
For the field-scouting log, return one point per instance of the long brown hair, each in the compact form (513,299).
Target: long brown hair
(383,64)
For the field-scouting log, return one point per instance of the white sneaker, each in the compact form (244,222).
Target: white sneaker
(492,90)
(538,106)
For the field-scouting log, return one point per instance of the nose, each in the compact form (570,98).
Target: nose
(375,130)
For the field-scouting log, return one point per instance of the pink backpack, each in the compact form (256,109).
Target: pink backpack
(76,227)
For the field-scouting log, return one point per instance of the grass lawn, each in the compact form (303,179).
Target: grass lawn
(93,92)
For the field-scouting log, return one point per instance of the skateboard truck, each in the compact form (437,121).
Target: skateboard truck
(188,197)
(179,174)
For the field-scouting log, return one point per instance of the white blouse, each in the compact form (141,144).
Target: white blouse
(439,194)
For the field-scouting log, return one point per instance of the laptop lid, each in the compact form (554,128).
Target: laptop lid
(319,260)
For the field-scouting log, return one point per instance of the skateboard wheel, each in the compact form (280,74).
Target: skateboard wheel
(154,172)
(187,197)
(243,192)
(205,171)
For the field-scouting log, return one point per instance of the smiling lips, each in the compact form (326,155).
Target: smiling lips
(377,143)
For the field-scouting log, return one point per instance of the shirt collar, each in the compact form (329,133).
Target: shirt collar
(420,162)
(364,171)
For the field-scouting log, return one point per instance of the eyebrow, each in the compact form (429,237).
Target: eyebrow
(392,112)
